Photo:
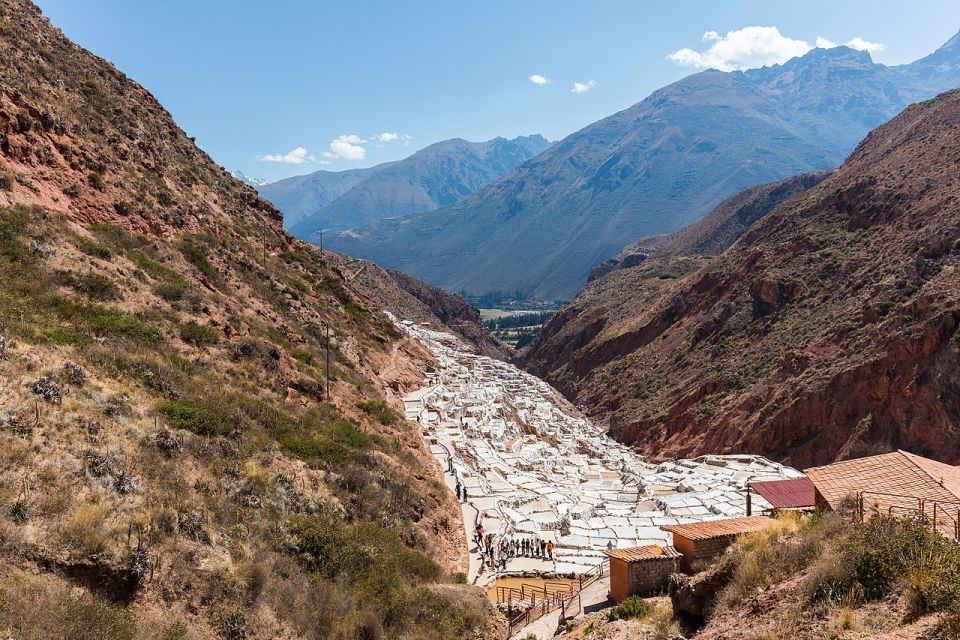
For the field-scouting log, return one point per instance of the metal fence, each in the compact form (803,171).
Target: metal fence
(566,600)
(944,516)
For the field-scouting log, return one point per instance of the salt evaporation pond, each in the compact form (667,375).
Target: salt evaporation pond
(534,466)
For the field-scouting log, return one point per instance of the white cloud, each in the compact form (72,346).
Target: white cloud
(742,49)
(583,87)
(857,43)
(753,47)
(860,44)
(296,156)
(393,136)
(348,147)
(539,79)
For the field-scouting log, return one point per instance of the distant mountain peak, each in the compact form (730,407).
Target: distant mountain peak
(253,182)
(650,169)
(438,175)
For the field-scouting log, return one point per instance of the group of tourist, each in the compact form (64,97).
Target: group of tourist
(496,550)
(461,490)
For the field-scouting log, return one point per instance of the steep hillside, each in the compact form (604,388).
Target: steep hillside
(171,462)
(627,285)
(650,169)
(411,299)
(435,176)
(828,330)
(300,197)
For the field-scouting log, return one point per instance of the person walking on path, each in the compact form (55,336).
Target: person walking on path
(464,493)
(459,490)
(550,549)
(543,548)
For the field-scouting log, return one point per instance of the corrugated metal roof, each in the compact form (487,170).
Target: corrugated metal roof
(637,554)
(900,473)
(786,494)
(719,528)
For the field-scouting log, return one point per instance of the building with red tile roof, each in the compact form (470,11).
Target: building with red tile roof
(898,480)
(793,493)
(709,538)
(641,570)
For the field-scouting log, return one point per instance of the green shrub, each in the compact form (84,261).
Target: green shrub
(194,250)
(6,181)
(335,444)
(379,411)
(885,555)
(302,355)
(94,286)
(631,607)
(96,181)
(94,249)
(171,290)
(121,240)
(199,335)
(96,319)
(194,416)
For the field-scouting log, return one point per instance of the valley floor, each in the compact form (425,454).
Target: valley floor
(535,468)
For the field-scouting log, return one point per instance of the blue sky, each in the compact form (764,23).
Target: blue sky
(285,88)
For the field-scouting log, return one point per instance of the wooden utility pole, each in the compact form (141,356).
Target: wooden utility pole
(328,361)
(263,235)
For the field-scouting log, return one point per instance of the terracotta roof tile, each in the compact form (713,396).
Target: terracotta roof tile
(719,528)
(636,554)
(897,474)
(786,494)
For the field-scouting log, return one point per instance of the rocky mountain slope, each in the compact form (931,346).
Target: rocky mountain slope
(828,330)
(409,298)
(173,460)
(433,177)
(650,169)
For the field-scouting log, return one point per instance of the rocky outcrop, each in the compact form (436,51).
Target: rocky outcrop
(827,330)
(694,597)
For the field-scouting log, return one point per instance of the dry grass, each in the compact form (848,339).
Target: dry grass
(771,555)
(663,626)
(86,532)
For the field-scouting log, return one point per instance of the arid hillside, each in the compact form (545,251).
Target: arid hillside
(171,462)
(828,330)
(415,300)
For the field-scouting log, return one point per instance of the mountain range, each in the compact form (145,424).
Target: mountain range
(826,329)
(650,169)
(435,176)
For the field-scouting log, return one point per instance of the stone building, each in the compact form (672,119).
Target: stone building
(641,570)
(708,539)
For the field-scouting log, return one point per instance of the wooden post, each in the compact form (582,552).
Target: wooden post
(328,362)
